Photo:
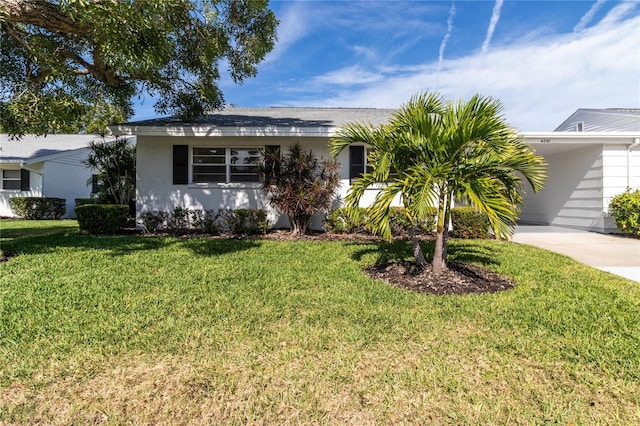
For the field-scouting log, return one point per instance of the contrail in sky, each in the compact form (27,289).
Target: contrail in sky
(588,17)
(452,13)
(495,17)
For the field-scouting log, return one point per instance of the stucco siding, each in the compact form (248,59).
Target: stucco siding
(155,190)
(35,181)
(67,179)
(573,194)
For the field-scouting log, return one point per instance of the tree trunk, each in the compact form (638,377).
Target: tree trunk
(415,247)
(439,264)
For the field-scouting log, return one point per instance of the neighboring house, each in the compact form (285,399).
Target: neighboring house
(210,164)
(593,156)
(44,166)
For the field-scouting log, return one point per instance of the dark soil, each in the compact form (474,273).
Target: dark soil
(460,278)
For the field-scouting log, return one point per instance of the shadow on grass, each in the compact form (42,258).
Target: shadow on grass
(120,245)
(461,251)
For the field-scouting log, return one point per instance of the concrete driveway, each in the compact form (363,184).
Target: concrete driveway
(612,253)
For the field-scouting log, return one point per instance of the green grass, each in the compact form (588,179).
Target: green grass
(166,330)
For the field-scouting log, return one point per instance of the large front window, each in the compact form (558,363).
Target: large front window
(225,165)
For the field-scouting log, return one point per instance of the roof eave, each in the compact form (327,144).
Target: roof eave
(215,131)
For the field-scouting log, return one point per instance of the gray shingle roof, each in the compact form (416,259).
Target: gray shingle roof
(277,117)
(602,120)
(31,147)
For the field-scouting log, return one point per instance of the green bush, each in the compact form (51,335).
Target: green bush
(625,209)
(340,222)
(35,208)
(102,218)
(153,221)
(469,223)
(246,221)
(206,221)
(83,201)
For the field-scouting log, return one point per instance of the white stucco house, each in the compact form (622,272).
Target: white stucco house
(44,166)
(210,164)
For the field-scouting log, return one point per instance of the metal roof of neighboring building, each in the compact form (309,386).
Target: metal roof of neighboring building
(602,120)
(30,148)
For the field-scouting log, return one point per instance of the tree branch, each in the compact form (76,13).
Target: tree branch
(41,13)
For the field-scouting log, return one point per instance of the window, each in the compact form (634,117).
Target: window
(359,162)
(224,165)
(12,179)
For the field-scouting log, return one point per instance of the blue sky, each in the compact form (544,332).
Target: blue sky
(542,59)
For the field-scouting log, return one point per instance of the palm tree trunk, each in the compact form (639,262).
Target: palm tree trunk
(415,247)
(438,262)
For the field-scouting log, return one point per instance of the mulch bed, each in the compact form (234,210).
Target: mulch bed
(459,278)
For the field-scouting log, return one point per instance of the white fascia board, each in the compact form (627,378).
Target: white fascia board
(204,131)
(580,137)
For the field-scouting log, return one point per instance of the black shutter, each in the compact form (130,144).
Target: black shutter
(356,162)
(95,184)
(25,183)
(180,164)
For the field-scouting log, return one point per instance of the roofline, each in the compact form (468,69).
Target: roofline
(580,137)
(203,130)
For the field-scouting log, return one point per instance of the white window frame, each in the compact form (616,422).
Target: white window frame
(227,165)
(18,179)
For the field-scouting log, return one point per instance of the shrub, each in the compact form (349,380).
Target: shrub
(102,218)
(83,201)
(206,221)
(35,208)
(299,184)
(340,222)
(178,220)
(152,221)
(246,221)
(400,223)
(467,222)
(625,209)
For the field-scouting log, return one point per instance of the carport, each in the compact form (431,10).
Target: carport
(585,171)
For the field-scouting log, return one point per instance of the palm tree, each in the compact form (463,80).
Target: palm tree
(440,152)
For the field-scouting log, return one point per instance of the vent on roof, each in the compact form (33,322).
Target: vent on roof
(579,126)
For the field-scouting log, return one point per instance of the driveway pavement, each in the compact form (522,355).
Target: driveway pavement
(616,254)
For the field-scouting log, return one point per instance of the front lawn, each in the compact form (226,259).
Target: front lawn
(130,329)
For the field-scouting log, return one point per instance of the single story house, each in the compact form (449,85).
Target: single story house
(210,164)
(44,166)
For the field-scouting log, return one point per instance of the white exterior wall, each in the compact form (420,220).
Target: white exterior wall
(155,190)
(67,178)
(35,182)
(573,194)
(617,162)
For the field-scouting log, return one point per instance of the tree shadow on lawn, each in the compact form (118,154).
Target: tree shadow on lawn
(122,245)
(459,251)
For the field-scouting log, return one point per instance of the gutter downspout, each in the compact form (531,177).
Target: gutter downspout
(636,142)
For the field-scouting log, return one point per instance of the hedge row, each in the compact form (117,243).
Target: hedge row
(102,218)
(466,222)
(625,209)
(212,222)
(36,208)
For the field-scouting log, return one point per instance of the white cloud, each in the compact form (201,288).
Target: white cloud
(541,82)
(348,76)
(292,27)
(588,17)
(495,17)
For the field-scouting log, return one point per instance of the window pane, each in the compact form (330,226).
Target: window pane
(209,173)
(11,184)
(11,174)
(247,173)
(208,151)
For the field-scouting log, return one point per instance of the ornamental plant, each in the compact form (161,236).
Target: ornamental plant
(625,209)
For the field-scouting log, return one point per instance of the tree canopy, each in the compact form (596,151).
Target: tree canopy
(435,152)
(75,65)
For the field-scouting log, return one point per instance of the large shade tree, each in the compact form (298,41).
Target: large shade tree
(75,65)
(433,152)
